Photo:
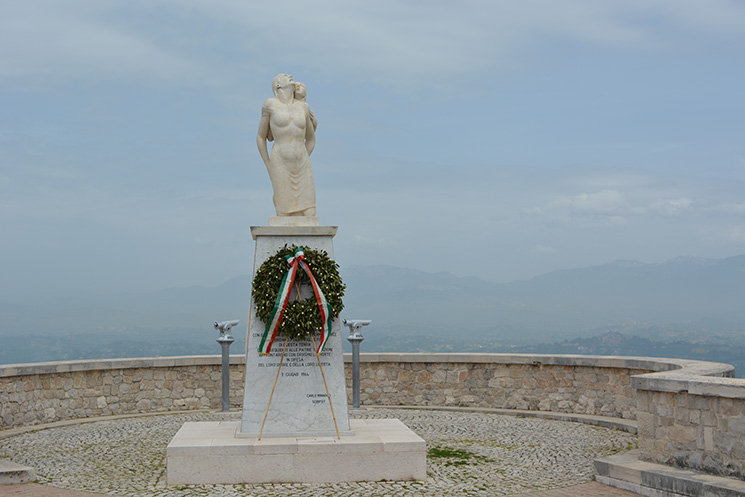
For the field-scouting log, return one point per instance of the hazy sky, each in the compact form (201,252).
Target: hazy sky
(496,139)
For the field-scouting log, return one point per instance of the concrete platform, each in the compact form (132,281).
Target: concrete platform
(380,449)
(12,473)
(627,472)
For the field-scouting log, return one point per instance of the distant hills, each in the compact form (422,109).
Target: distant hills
(558,304)
(690,299)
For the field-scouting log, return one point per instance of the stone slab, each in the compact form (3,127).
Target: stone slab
(293,220)
(14,474)
(292,401)
(626,471)
(293,231)
(210,453)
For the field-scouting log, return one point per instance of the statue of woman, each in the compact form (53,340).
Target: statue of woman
(294,136)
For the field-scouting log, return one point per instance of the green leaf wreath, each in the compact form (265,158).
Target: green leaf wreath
(302,317)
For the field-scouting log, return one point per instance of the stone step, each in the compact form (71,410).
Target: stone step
(12,473)
(627,472)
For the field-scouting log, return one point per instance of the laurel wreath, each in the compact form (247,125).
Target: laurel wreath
(302,317)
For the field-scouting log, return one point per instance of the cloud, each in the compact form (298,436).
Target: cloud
(603,208)
(730,208)
(610,178)
(722,16)
(542,249)
(737,234)
(76,40)
(671,207)
(391,43)
(602,202)
(397,43)
(537,211)
(398,174)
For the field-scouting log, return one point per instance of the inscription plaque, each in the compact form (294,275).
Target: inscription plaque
(299,405)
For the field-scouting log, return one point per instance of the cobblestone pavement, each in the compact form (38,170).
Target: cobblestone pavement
(469,454)
(590,489)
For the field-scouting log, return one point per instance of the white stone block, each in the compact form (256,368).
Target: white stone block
(293,220)
(380,449)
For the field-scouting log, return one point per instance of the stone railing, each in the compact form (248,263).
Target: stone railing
(689,413)
(55,391)
(694,418)
(577,384)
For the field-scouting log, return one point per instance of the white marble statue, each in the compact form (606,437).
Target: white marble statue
(288,121)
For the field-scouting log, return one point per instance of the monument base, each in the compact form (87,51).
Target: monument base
(209,453)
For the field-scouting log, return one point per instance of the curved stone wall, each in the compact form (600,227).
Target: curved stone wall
(592,385)
(690,413)
(693,418)
(47,392)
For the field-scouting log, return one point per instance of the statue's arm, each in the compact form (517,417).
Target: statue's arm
(262,135)
(310,132)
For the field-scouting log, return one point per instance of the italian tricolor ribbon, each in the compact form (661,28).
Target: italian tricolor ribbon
(297,260)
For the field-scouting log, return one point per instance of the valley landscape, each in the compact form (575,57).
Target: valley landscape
(685,307)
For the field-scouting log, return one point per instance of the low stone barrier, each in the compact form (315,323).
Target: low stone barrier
(55,391)
(577,384)
(693,418)
(690,413)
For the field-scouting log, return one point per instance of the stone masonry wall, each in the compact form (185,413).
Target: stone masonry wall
(31,399)
(543,387)
(698,425)
(690,413)
(43,393)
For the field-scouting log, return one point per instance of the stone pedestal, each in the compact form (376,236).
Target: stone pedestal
(299,440)
(299,405)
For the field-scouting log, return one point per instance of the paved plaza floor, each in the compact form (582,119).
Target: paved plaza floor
(469,453)
(590,489)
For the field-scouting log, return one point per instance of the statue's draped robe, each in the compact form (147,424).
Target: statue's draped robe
(292,178)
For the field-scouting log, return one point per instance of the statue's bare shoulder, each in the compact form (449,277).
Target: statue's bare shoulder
(269,105)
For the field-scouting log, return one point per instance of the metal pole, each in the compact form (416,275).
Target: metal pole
(355,338)
(355,370)
(225,339)
(225,374)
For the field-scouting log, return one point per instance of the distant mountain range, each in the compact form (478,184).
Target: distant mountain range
(560,303)
(410,309)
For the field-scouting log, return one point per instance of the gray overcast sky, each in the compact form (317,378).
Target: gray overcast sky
(496,139)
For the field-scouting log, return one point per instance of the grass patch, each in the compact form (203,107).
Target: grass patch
(456,457)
